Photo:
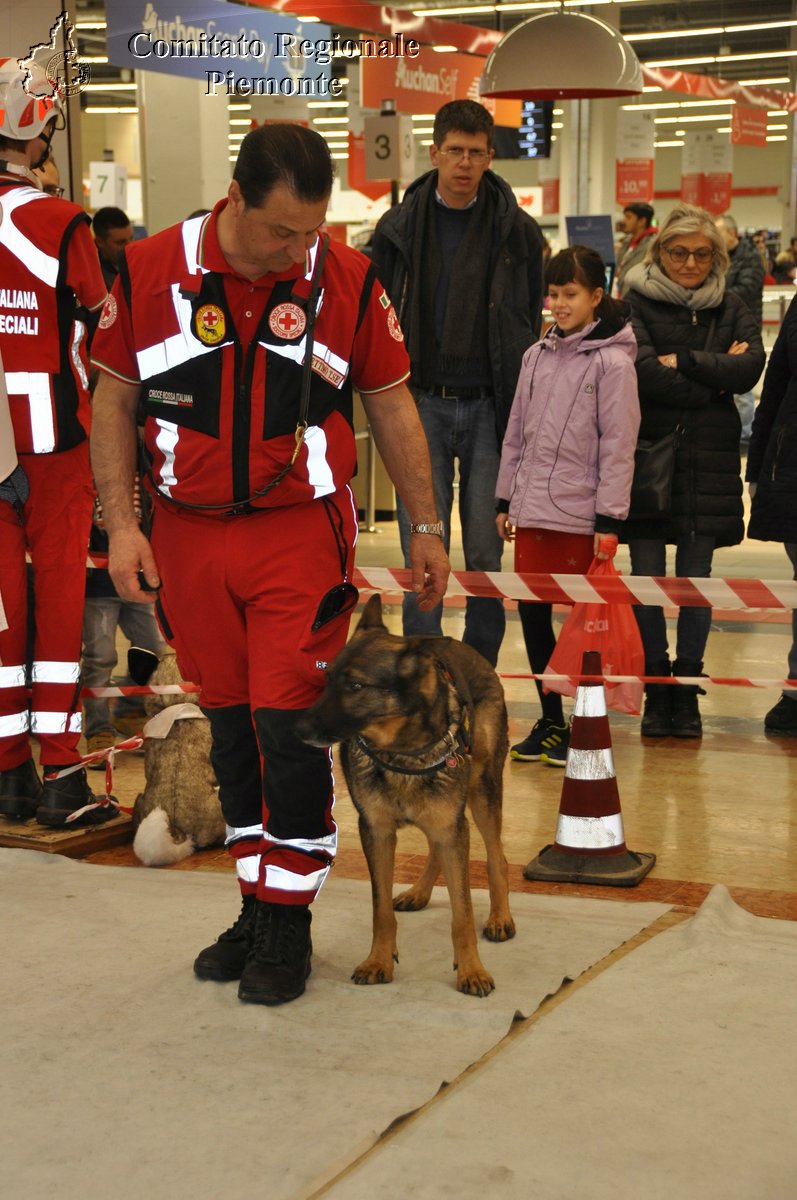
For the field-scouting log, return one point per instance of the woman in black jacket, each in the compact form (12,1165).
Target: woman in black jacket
(698,346)
(772,477)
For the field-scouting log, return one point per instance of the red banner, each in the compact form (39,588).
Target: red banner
(371,188)
(692,189)
(550,196)
(717,191)
(748,125)
(422,84)
(633,180)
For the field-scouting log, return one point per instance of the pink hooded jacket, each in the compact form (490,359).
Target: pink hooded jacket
(568,452)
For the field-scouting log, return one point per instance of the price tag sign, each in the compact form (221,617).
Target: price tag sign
(389,148)
(108,185)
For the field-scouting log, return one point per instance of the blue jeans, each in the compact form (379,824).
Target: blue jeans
(745,406)
(462,430)
(692,557)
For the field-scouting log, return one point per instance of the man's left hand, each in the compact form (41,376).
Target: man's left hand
(430,569)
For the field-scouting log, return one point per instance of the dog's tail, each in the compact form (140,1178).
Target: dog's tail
(154,843)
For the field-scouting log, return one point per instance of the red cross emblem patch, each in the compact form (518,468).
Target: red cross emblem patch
(287,321)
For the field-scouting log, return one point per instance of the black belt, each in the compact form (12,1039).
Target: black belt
(449,392)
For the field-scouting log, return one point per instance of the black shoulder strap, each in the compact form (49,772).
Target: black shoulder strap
(365,294)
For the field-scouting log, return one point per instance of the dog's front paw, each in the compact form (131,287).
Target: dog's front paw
(499,929)
(476,982)
(373,971)
(410,901)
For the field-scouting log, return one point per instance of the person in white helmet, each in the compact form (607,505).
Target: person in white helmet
(50,280)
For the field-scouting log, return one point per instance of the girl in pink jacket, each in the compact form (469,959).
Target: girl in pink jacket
(568,458)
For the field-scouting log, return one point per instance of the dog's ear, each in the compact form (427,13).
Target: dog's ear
(372,614)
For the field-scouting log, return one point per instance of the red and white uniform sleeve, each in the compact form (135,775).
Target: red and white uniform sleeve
(113,349)
(379,357)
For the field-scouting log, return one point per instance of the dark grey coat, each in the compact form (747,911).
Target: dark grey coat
(772,457)
(746,276)
(698,394)
(516,287)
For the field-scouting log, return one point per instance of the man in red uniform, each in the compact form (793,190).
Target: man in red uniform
(243,332)
(50,280)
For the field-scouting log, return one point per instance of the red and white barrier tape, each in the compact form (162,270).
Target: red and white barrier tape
(665,590)
(107,755)
(662,591)
(176,689)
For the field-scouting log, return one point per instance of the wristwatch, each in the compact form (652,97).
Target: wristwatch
(435,527)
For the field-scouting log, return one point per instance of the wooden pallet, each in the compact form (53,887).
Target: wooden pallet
(74,843)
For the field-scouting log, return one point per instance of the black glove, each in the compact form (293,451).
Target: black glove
(15,489)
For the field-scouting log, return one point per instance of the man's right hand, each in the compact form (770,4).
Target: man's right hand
(130,553)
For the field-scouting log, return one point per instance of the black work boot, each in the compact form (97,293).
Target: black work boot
(225,959)
(21,790)
(657,717)
(686,721)
(61,797)
(279,962)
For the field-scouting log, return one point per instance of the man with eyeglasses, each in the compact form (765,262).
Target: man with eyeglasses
(50,177)
(50,282)
(463,266)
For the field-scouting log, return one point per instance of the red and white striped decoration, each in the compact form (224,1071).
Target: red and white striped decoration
(666,590)
(590,820)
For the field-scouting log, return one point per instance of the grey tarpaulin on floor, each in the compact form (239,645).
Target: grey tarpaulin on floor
(671,1074)
(123,1076)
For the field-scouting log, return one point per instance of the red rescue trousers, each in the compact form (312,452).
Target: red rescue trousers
(238,599)
(54,529)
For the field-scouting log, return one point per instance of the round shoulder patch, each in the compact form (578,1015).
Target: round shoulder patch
(393,325)
(209,324)
(109,312)
(287,321)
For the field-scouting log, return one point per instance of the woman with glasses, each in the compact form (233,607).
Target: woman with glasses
(698,346)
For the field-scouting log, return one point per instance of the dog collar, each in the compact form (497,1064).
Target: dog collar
(448,751)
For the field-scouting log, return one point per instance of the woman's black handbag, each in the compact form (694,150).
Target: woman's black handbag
(651,490)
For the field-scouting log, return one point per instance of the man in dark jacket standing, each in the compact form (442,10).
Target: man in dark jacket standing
(746,278)
(463,267)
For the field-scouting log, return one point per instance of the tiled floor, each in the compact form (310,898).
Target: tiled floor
(723,809)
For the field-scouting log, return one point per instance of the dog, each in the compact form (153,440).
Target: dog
(179,811)
(423,727)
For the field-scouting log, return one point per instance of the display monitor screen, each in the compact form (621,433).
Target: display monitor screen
(532,139)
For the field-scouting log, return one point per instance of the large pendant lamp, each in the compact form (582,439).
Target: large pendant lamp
(562,56)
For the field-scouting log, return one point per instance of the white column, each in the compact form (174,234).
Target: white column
(184,156)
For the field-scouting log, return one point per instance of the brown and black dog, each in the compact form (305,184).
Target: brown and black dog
(423,727)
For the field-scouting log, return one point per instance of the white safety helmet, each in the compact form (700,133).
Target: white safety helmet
(24,116)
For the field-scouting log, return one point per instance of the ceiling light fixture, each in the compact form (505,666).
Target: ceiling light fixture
(562,56)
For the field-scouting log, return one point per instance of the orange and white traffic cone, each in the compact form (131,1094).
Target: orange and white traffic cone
(590,842)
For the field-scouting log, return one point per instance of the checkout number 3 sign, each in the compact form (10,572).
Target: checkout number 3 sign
(389,148)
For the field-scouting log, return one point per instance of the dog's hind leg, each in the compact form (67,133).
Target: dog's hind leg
(486,813)
(418,896)
(472,977)
(380,851)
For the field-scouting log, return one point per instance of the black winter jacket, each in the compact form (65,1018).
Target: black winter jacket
(516,288)
(746,277)
(698,395)
(772,457)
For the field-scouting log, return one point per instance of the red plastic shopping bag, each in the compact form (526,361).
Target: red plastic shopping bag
(611,629)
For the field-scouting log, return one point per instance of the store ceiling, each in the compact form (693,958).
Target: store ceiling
(664,17)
